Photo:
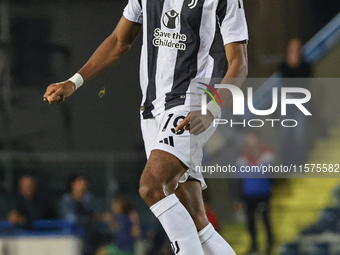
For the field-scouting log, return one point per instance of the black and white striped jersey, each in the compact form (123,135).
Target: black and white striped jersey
(182,40)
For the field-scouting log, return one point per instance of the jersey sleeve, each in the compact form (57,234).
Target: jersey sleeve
(232,21)
(133,11)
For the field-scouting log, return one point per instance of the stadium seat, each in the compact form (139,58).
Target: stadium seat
(329,218)
(289,249)
(319,249)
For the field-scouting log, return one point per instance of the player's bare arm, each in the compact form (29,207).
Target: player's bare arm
(237,72)
(107,55)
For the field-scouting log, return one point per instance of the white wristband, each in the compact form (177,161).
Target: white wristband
(77,79)
(215,109)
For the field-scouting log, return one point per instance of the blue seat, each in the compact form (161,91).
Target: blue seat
(51,224)
(329,219)
(289,249)
(319,249)
(40,227)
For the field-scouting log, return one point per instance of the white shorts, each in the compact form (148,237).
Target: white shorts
(159,134)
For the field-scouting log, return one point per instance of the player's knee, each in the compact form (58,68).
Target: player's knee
(144,191)
(151,193)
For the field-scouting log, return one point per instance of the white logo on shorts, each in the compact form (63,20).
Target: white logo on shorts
(169,140)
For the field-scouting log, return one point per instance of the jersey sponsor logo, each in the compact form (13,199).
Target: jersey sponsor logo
(173,40)
(170,19)
(169,140)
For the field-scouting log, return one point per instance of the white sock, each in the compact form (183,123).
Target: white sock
(213,243)
(178,225)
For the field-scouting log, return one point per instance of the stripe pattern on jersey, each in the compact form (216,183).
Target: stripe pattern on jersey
(220,60)
(154,12)
(183,40)
(186,62)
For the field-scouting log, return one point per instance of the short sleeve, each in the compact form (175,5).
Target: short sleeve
(232,21)
(133,11)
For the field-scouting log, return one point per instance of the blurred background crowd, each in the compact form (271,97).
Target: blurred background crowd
(71,171)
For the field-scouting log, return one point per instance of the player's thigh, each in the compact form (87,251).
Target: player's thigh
(162,172)
(190,195)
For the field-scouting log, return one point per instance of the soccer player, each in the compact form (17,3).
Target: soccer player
(183,40)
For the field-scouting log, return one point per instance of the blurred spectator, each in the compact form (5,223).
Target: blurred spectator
(30,205)
(256,193)
(123,221)
(78,206)
(212,216)
(295,66)
(294,139)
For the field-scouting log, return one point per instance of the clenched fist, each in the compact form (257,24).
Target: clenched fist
(57,92)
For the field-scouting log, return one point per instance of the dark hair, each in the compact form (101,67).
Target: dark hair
(70,180)
(126,204)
